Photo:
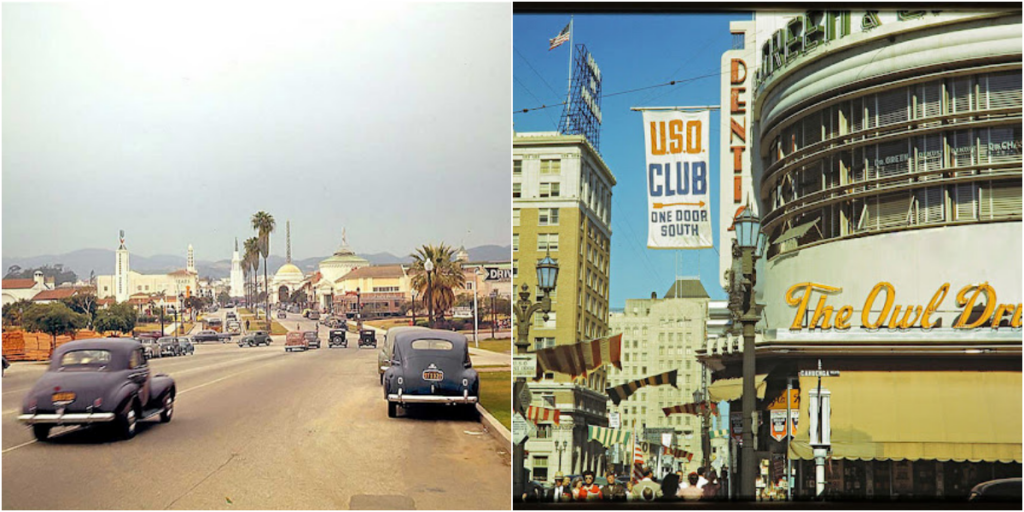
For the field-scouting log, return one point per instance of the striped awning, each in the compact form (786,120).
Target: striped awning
(539,414)
(580,358)
(609,436)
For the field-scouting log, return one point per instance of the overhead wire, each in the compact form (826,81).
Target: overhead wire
(528,91)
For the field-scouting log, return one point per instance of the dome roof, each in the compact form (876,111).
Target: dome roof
(344,255)
(288,271)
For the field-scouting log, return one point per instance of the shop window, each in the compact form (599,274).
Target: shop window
(929,155)
(891,159)
(1000,200)
(962,150)
(540,468)
(965,201)
(930,205)
(928,100)
(1002,144)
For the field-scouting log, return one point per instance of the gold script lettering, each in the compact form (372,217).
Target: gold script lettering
(968,305)
(937,299)
(890,296)
(801,301)
(843,316)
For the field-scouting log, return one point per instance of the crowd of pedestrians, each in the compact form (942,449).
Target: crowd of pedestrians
(698,485)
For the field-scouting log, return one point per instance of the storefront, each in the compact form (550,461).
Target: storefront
(886,168)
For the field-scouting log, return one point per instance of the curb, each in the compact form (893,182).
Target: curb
(494,427)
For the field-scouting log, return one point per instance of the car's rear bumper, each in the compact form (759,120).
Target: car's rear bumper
(66,419)
(431,399)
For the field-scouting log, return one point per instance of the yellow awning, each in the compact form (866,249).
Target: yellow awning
(972,416)
(732,389)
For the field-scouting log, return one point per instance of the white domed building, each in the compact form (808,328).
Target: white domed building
(343,261)
(286,280)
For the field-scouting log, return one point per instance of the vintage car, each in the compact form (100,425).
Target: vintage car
(105,380)
(281,314)
(186,345)
(385,354)
(313,315)
(367,338)
(254,339)
(150,348)
(336,338)
(234,327)
(206,335)
(1002,490)
(312,340)
(429,366)
(230,315)
(169,346)
(295,340)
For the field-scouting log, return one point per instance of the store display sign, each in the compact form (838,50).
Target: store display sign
(778,423)
(880,309)
(678,169)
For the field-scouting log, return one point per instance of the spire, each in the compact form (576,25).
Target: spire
(236,244)
(122,240)
(288,228)
(344,238)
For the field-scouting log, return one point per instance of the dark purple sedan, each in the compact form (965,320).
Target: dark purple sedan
(105,381)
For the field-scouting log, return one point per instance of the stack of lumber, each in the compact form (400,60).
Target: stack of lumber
(35,346)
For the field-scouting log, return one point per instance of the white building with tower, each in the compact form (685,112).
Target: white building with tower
(237,287)
(125,283)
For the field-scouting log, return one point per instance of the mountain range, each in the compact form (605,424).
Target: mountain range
(101,261)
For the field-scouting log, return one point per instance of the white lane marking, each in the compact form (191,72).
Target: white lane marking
(179,394)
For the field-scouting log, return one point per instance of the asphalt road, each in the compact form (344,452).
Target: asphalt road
(258,428)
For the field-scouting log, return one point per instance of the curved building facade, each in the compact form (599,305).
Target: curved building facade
(885,157)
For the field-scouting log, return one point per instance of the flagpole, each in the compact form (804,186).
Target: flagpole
(568,95)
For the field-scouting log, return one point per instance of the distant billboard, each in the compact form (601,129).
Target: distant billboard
(582,113)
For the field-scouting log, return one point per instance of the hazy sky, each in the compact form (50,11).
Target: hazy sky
(176,122)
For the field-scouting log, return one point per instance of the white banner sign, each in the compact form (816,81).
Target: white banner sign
(678,171)
(614,420)
(524,366)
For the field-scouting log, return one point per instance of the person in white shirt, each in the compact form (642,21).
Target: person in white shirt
(701,481)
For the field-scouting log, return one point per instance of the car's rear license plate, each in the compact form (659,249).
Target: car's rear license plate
(65,396)
(433,375)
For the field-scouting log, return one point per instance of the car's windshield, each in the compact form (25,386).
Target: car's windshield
(165,340)
(80,358)
(310,335)
(432,345)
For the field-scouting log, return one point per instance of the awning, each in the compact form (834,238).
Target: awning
(959,416)
(796,232)
(732,389)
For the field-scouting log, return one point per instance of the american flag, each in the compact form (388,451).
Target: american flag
(638,461)
(562,37)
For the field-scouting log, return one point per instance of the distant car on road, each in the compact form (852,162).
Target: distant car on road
(367,338)
(150,347)
(313,315)
(430,367)
(1005,489)
(295,340)
(234,327)
(337,338)
(312,340)
(281,314)
(230,315)
(186,345)
(169,346)
(105,380)
(202,336)
(254,339)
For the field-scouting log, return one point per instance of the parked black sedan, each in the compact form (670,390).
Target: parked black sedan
(186,346)
(169,346)
(337,338)
(312,340)
(105,381)
(430,367)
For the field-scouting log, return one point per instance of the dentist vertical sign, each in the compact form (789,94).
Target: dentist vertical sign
(678,198)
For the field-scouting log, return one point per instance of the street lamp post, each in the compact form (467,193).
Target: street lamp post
(476,315)
(547,277)
(561,446)
(429,267)
(751,243)
(359,309)
(494,316)
(705,441)
(414,308)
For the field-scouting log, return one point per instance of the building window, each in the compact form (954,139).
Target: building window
(550,166)
(515,216)
(517,167)
(737,41)
(547,241)
(547,216)
(540,468)
(517,190)
(515,241)
(544,431)
(548,189)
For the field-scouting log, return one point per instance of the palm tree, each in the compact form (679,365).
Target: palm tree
(251,262)
(264,225)
(445,278)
